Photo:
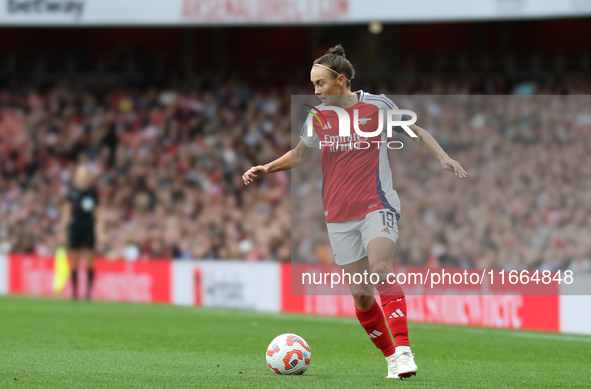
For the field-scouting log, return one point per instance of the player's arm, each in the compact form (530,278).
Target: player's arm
(100,222)
(426,141)
(293,158)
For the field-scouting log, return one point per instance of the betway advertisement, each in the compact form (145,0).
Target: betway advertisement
(273,12)
(266,286)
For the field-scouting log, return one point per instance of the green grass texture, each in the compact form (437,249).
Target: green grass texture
(48,343)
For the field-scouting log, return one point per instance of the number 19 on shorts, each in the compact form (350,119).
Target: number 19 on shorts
(388,218)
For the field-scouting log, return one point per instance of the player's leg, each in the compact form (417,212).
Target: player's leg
(74,243)
(380,234)
(350,254)
(89,255)
(362,293)
(380,253)
(74,255)
(367,309)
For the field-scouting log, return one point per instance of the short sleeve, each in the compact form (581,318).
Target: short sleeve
(312,141)
(384,103)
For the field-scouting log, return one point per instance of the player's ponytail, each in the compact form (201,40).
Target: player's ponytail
(335,60)
(338,50)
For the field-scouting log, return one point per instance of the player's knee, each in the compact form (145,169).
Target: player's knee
(361,289)
(363,302)
(382,272)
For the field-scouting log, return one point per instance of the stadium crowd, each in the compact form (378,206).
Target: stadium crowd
(168,163)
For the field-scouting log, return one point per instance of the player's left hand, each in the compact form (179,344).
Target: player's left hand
(452,165)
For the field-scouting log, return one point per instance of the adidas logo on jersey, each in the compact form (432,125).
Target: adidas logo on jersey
(327,126)
(386,230)
(395,314)
(374,334)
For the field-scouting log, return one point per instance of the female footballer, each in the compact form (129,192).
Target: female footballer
(361,207)
(79,219)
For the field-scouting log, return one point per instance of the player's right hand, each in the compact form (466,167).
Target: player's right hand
(254,173)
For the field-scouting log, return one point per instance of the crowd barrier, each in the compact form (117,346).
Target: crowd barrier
(266,286)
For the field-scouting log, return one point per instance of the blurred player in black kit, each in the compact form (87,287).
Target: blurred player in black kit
(81,223)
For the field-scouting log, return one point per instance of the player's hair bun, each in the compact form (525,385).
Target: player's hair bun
(338,50)
(336,61)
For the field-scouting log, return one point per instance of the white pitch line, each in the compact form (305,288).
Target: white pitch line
(426,326)
(551,337)
(508,332)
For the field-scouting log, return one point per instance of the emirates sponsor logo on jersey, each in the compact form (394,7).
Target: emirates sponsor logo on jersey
(341,143)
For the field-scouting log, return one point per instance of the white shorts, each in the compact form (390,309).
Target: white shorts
(349,239)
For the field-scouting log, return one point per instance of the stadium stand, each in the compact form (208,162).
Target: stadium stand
(168,163)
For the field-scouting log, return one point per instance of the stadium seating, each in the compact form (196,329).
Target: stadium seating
(168,165)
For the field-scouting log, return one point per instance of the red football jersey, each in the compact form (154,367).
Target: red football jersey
(356,173)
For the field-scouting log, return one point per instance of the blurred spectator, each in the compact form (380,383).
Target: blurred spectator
(525,205)
(168,165)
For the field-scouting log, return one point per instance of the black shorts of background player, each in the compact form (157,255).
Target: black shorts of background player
(80,219)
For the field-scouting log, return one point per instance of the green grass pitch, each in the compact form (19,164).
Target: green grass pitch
(48,343)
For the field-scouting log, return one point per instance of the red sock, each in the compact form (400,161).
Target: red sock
(394,305)
(373,322)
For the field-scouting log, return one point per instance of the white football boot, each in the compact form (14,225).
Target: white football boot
(402,363)
(392,366)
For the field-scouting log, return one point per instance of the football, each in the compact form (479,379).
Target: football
(288,354)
